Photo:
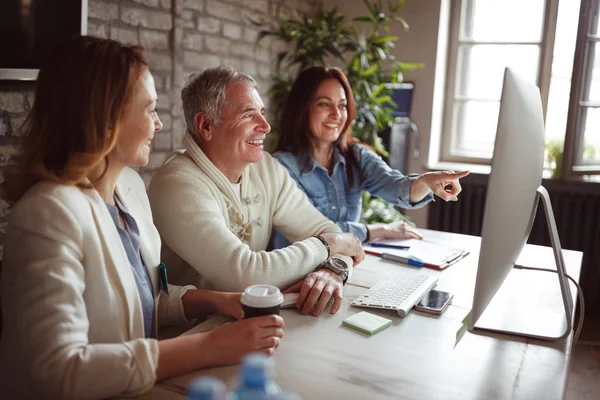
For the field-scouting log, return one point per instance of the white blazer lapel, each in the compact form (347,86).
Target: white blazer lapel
(117,264)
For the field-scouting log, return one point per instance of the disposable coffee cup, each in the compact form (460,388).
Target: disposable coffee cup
(259,300)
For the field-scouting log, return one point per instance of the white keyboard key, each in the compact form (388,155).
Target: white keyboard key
(400,292)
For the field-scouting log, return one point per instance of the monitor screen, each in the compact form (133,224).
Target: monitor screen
(31,28)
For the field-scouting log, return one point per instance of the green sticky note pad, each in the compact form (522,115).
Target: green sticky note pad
(366,322)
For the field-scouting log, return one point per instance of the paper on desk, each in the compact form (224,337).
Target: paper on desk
(428,252)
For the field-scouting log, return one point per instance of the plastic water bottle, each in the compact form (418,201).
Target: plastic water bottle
(207,388)
(257,379)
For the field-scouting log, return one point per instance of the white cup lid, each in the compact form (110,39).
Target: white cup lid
(262,296)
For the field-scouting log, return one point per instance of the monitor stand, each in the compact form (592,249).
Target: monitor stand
(520,307)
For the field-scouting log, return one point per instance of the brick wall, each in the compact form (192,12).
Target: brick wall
(180,37)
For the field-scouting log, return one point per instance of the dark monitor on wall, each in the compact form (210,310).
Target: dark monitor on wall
(401,93)
(29,29)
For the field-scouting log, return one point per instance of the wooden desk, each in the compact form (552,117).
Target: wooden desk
(416,357)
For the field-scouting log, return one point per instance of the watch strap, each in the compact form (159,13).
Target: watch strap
(326,244)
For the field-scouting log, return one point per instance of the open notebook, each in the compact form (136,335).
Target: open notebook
(418,252)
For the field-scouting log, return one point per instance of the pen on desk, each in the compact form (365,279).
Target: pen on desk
(395,258)
(405,260)
(389,246)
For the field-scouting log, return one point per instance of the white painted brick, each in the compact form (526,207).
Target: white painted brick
(154,40)
(233,62)
(4,210)
(249,67)
(8,153)
(195,61)
(264,70)
(208,25)
(177,6)
(158,61)
(258,5)
(178,133)
(197,5)
(4,126)
(177,109)
(223,10)
(16,125)
(156,160)
(250,15)
(250,34)
(242,49)
(217,44)
(29,98)
(97,29)
(147,18)
(149,3)
(193,41)
(101,10)
(161,141)
(164,102)
(12,101)
(159,82)
(167,121)
(128,36)
(232,31)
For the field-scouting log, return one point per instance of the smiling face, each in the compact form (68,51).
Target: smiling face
(137,126)
(328,113)
(237,140)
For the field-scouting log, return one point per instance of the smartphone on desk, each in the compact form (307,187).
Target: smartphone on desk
(434,302)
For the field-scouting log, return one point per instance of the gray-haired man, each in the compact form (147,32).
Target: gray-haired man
(216,203)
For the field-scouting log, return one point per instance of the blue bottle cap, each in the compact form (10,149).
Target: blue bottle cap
(206,388)
(256,370)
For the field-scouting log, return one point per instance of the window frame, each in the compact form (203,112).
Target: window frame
(544,71)
(574,135)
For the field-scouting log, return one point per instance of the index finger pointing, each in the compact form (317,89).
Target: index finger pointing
(457,175)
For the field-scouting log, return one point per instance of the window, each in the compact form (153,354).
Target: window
(538,39)
(582,142)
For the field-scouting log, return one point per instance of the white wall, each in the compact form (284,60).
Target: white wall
(418,44)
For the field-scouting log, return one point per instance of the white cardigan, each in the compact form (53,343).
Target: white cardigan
(215,241)
(73,325)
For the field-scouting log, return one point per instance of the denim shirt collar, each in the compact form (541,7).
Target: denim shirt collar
(312,164)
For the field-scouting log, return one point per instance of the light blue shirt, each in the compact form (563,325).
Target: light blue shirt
(333,196)
(131,243)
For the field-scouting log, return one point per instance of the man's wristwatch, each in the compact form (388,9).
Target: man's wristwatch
(337,266)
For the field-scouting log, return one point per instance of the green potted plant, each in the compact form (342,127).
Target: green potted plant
(328,38)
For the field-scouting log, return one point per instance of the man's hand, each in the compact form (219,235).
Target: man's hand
(316,290)
(346,244)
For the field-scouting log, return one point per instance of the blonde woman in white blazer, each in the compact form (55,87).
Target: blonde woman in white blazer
(80,321)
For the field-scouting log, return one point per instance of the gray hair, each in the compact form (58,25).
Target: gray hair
(206,92)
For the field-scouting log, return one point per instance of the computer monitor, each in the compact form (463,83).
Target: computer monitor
(514,190)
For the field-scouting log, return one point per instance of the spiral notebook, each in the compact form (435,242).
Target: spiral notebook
(429,254)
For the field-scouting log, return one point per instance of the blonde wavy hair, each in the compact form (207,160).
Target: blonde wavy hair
(80,96)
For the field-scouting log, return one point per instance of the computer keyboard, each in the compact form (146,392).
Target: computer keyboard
(399,292)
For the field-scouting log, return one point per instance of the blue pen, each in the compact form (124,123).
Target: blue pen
(404,260)
(388,246)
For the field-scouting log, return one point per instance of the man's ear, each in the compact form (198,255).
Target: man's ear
(204,126)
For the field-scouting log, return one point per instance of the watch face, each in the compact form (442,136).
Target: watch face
(339,264)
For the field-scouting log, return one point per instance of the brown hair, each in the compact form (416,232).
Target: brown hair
(80,96)
(294,131)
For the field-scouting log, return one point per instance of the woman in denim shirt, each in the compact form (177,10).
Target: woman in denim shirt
(316,147)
